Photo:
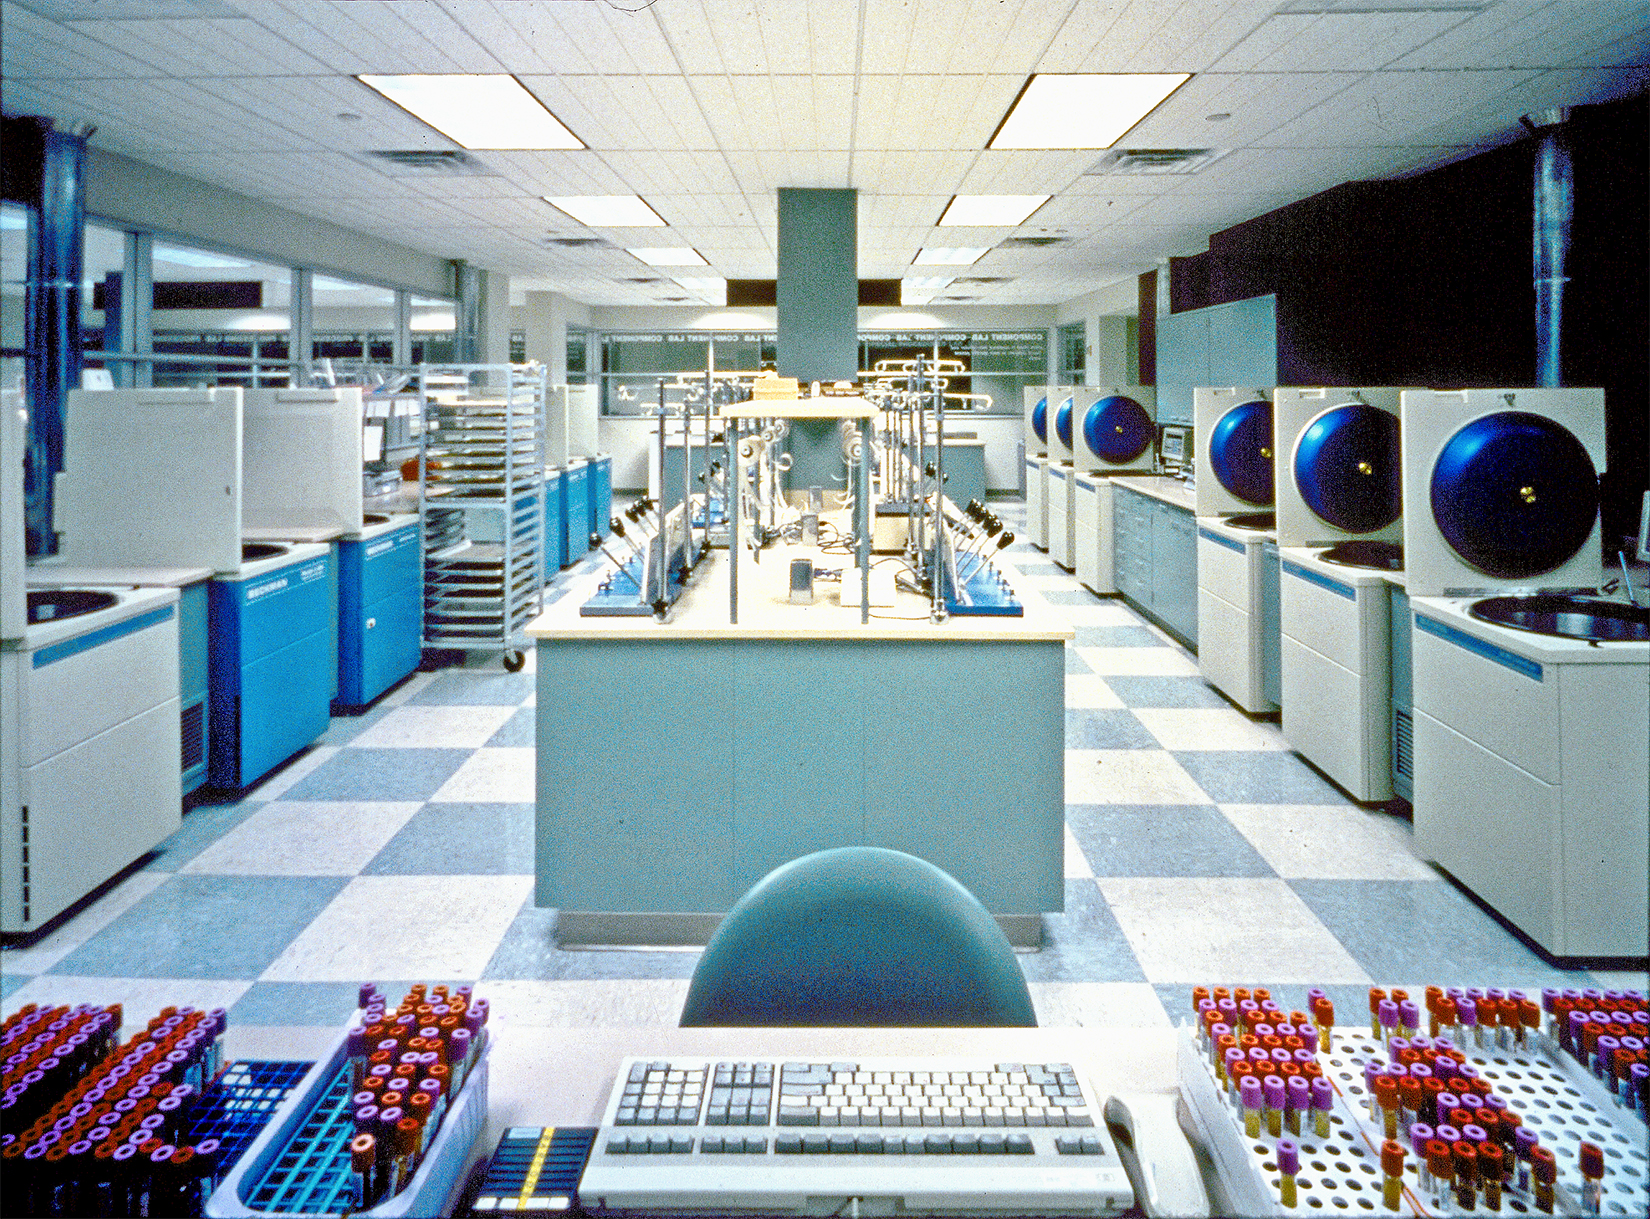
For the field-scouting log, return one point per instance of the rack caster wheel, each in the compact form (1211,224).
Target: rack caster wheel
(513,661)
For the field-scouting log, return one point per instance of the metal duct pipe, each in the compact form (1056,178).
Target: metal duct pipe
(1554,209)
(52,316)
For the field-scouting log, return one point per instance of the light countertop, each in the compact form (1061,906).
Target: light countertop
(47,574)
(1171,491)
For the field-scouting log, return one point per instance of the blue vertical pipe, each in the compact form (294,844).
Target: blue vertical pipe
(1554,210)
(52,319)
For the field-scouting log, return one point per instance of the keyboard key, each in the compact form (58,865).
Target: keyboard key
(1091,1145)
(965,1144)
(787,1144)
(991,1144)
(815,1144)
(618,1145)
(937,1145)
(1068,1145)
(843,1144)
(868,1144)
(798,1115)
(1079,1119)
(625,1117)
(681,1143)
(638,1073)
(1018,1145)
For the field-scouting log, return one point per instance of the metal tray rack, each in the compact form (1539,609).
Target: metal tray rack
(482,501)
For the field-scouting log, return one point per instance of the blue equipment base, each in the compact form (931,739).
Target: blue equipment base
(982,595)
(622,596)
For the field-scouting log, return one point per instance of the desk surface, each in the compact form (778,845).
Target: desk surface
(765,611)
(49,574)
(1169,490)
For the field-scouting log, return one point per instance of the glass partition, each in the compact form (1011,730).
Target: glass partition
(102,288)
(220,306)
(352,322)
(997,364)
(434,329)
(14,270)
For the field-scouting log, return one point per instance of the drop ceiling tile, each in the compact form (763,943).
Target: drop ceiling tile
(1334,42)
(34,47)
(555,173)
(1388,108)
(1192,37)
(1025,173)
(688,128)
(1530,34)
(686,28)
(889,28)
(211,47)
(721,109)
(1258,104)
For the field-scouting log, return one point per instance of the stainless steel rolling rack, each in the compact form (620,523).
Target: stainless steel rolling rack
(481,497)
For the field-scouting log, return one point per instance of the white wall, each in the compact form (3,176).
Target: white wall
(545,317)
(1111,338)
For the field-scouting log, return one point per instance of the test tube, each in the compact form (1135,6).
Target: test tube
(1392,1173)
(1377,996)
(1466,1174)
(1249,1090)
(1591,1157)
(1274,1096)
(1297,1100)
(1386,1096)
(1289,1166)
(1544,1171)
(1441,1167)
(1491,1171)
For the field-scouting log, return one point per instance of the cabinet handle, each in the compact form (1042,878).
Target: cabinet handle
(371,622)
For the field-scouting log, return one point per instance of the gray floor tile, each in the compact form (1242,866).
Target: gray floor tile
(1030,568)
(1105,728)
(1165,692)
(1409,932)
(528,952)
(202,826)
(11,982)
(479,686)
(205,927)
(1075,663)
(1083,943)
(1258,777)
(460,840)
(519,731)
(1069,596)
(379,774)
(1163,840)
(1116,637)
(345,728)
(312,1003)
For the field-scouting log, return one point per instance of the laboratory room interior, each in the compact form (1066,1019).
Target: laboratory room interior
(578,575)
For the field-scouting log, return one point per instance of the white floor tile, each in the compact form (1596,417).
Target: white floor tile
(404,927)
(586,1003)
(1097,1005)
(1077,863)
(305,838)
(1208,728)
(140,998)
(1089,690)
(50,949)
(504,776)
(1229,928)
(1110,613)
(1128,776)
(435,727)
(1323,842)
(1138,662)
(402,694)
(283,781)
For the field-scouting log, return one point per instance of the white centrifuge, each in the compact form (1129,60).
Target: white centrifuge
(1238,638)
(1340,544)
(1115,434)
(1531,692)
(1036,463)
(1058,488)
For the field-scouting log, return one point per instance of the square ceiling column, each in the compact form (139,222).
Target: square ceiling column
(818,289)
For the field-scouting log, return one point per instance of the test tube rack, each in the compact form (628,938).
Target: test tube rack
(1560,1102)
(535,1169)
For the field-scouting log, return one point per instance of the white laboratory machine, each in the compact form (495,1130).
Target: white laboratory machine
(1237,565)
(1340,533)
(1060,495)
(1114,435)
(1036,463)
(89,745)
(1531,711)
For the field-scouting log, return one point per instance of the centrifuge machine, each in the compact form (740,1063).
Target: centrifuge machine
(1061,493)
(1340,542)
(1036,463)
(1238,637)
(1532,720)
(1115,435)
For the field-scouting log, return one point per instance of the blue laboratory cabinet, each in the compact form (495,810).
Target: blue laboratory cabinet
(1155,560)
(555,533)
(380,610)
(194,680)
(601,494)
(273,663)
(575,500)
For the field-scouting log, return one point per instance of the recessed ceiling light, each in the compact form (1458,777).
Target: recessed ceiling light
(713,288)
(1216,118)
(669,256)
(1082,110)
(993,211)
(476,111)
(608,211)
(348,116)
(954,255)
(920,289)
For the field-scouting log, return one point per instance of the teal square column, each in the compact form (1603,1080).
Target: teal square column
(818,286)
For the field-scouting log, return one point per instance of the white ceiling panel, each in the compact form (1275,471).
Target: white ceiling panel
(609,39)
(1532,34)
(1258,104)
(1024,173)
(216,47)
(555,173)
(1392,108)
(1334,42)
(1191,37)
(889,27)
(687,30)
(33,46)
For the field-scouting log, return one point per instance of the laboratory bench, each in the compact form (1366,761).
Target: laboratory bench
(745,745)
(1155,550)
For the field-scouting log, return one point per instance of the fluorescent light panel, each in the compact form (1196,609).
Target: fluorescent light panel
(669,256)
(920,289)
(1083,110)
(476,111)
(991,211)
(714,288)
(961,256)
(608,211)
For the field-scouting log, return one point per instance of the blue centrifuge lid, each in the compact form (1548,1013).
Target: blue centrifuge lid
(1118,429)
(1039,419)
(1514,494)
(1240,451)
(1347,467)
(1062,423)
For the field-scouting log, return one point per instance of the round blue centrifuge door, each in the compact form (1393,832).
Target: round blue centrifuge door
(1039,420)
(1514,494)
(1347,467)
(1062,423)
(1240,451)
(1118,429)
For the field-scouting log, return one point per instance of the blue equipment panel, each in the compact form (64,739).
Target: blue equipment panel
(983,594)
(1039,419)
(1240,451)
(193,681)
(1347,467)
(601,494)
(575,483)
(555,533)
(1118,428)
(380,609)
(273,666)
(1514,494)
(1062,423)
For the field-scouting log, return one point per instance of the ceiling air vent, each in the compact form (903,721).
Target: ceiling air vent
(983,279)
(1029,243)
(643,279)
(429,162)
(1155,160)
(574,243)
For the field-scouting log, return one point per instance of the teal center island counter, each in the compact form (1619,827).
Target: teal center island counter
(681,761)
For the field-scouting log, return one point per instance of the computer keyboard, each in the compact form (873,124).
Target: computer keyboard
(958,1136)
